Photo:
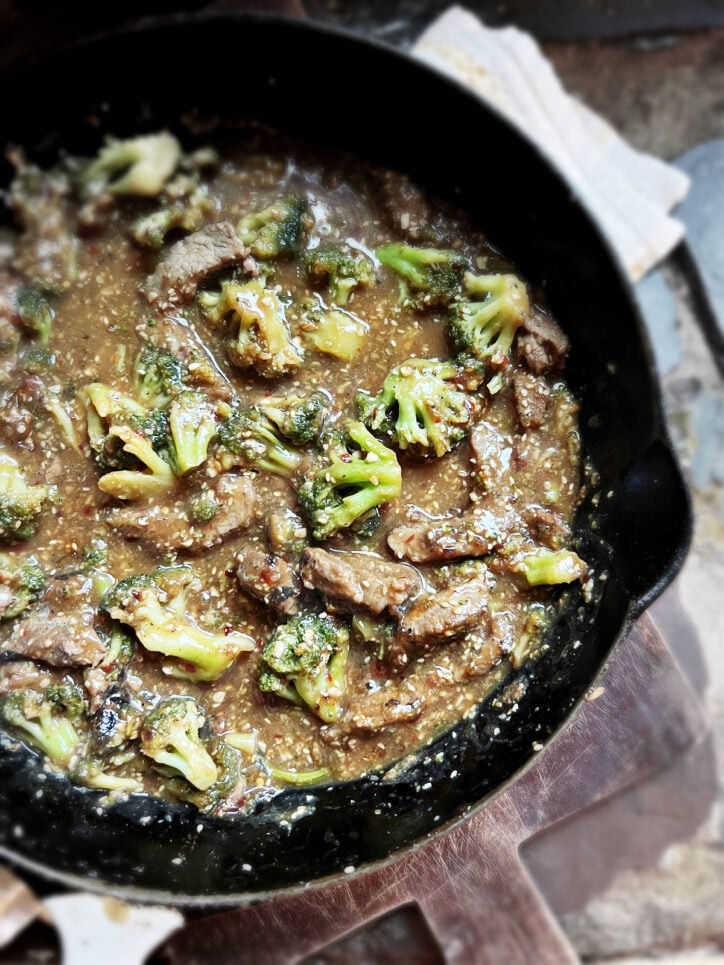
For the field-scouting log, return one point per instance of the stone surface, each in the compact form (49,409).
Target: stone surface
(658,308)
(702,211)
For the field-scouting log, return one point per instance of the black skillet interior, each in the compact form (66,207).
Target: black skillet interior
(341,91)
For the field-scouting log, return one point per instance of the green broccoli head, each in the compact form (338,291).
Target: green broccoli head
(422,408)
(429,276)
(485,328)
(360,473)
(21,504)
(50,720)
(185,205)
(21,582)
(545,566)
(170,736)
(137,166)
(304,661)
(158,376)
(277,231)
(247,439)
(192,423)
(36,313)
(154,605)
(301,419)
(342,271)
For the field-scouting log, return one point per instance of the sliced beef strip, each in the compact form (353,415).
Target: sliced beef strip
(19,674)
(407,208)
(547,527)
(432,620)
(268,578)
(162,528)
(491,455)
(542,343)
(58,639)
(476,533)
(395,703)
(354,581)
(174,334)
(532,394)
(190,260)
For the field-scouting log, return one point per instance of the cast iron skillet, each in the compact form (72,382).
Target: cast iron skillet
(331,88)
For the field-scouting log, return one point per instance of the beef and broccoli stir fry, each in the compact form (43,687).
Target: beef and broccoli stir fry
(287,471)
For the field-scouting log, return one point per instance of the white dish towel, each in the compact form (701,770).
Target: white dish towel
(629,193)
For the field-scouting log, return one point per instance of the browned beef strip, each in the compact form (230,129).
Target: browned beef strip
(476,533)
(542,344)
(19,674)
(395,703)
(547,527)
(354,581)
(531,394)
(407,208)
(174,334)
(268,578)
(60,639)
(432,620)
(190,260)
(491,455)
(162,528)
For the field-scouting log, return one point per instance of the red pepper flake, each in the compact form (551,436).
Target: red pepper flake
(345,457)
(87,510)
(228,629)
(229,573)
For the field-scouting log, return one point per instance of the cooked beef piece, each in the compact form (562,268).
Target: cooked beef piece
(542,344)
(268,578)
(491,455)
(190,260)
(174,334)
(394,703)
(168,527)
(432,620)
(16,423)
(407,208)
(353,581)
(59,639)
(477,533)
(531,398)
(40,201)
(19,674)
(547,526)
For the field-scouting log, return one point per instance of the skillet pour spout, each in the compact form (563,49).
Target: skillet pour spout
(638,535)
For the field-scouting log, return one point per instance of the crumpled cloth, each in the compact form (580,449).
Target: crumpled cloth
(628,192)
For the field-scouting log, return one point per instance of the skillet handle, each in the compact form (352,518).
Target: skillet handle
(653,518)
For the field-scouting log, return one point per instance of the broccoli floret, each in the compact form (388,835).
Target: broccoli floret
(433,274)
(343,272)
(36,313)
(185,205)
(262,340)
(192,421)
(202,509)
(360,473)
(20,503)
(50,719)
(333,331)
(21,582)
(544,566)
(131,442)
(137,166)
(421,408)
(170,736)
(301,419)
(485,329)
(304,661)
(154,605)
(249,440)
(277,231)
(158,376)
(37,360)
